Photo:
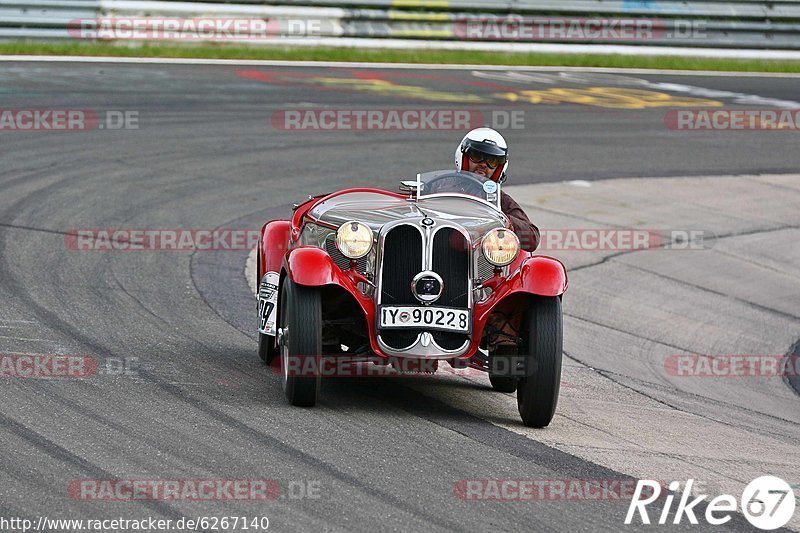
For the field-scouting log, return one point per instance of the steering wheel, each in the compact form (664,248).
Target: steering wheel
(471,185)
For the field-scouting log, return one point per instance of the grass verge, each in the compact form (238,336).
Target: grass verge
(208,51)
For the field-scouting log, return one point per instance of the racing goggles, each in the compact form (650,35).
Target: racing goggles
(492,161)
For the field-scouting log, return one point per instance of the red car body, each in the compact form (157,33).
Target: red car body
(280,251)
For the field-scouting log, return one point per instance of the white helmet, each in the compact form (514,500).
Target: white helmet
(488,142)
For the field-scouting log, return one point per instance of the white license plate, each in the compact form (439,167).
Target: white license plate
(433,318)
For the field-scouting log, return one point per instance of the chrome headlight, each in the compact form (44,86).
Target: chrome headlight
(354,239)
(500,246)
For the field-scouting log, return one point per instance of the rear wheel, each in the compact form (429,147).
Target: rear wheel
(301,342)
(542,332)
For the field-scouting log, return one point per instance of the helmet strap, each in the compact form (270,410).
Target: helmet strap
(498,174)
(464,161)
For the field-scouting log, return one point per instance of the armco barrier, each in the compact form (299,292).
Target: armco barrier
(717,24)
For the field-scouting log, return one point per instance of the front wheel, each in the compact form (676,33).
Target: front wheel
(537,392)
(502,362)
(503,384)
(301,342)
(267,348)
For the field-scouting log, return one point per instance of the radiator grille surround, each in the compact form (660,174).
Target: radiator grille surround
(402,260)
(447,252)
(451,257)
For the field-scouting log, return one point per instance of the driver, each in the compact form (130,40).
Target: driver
(485,152)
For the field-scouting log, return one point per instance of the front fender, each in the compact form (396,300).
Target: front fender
(541,275)
(311,266)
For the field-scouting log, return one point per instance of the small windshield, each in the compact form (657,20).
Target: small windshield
(460,182)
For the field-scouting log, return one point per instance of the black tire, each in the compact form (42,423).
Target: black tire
(503,384)
(301,316)
(537,392)
(267,348)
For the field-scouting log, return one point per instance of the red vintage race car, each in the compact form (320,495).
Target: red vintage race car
(410,277)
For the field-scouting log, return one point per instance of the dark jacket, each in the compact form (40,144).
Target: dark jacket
(527,232)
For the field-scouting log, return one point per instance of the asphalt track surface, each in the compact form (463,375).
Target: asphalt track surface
(197,403)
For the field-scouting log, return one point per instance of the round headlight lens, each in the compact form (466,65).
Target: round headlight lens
(500,246)
(354,239)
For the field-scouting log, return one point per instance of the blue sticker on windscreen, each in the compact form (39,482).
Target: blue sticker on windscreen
(489,187)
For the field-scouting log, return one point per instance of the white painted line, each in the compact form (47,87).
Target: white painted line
(60,352)
(25,339)
(343,64)
(250,270)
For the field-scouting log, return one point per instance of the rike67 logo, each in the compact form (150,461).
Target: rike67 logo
(767,502)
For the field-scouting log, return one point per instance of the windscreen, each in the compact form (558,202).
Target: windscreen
(460,182)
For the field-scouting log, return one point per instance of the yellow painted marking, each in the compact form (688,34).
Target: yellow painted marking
(419,3)
(387,87)
(421,33)
(607,97)
(407,15)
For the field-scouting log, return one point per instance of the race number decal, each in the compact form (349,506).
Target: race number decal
(267,303)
